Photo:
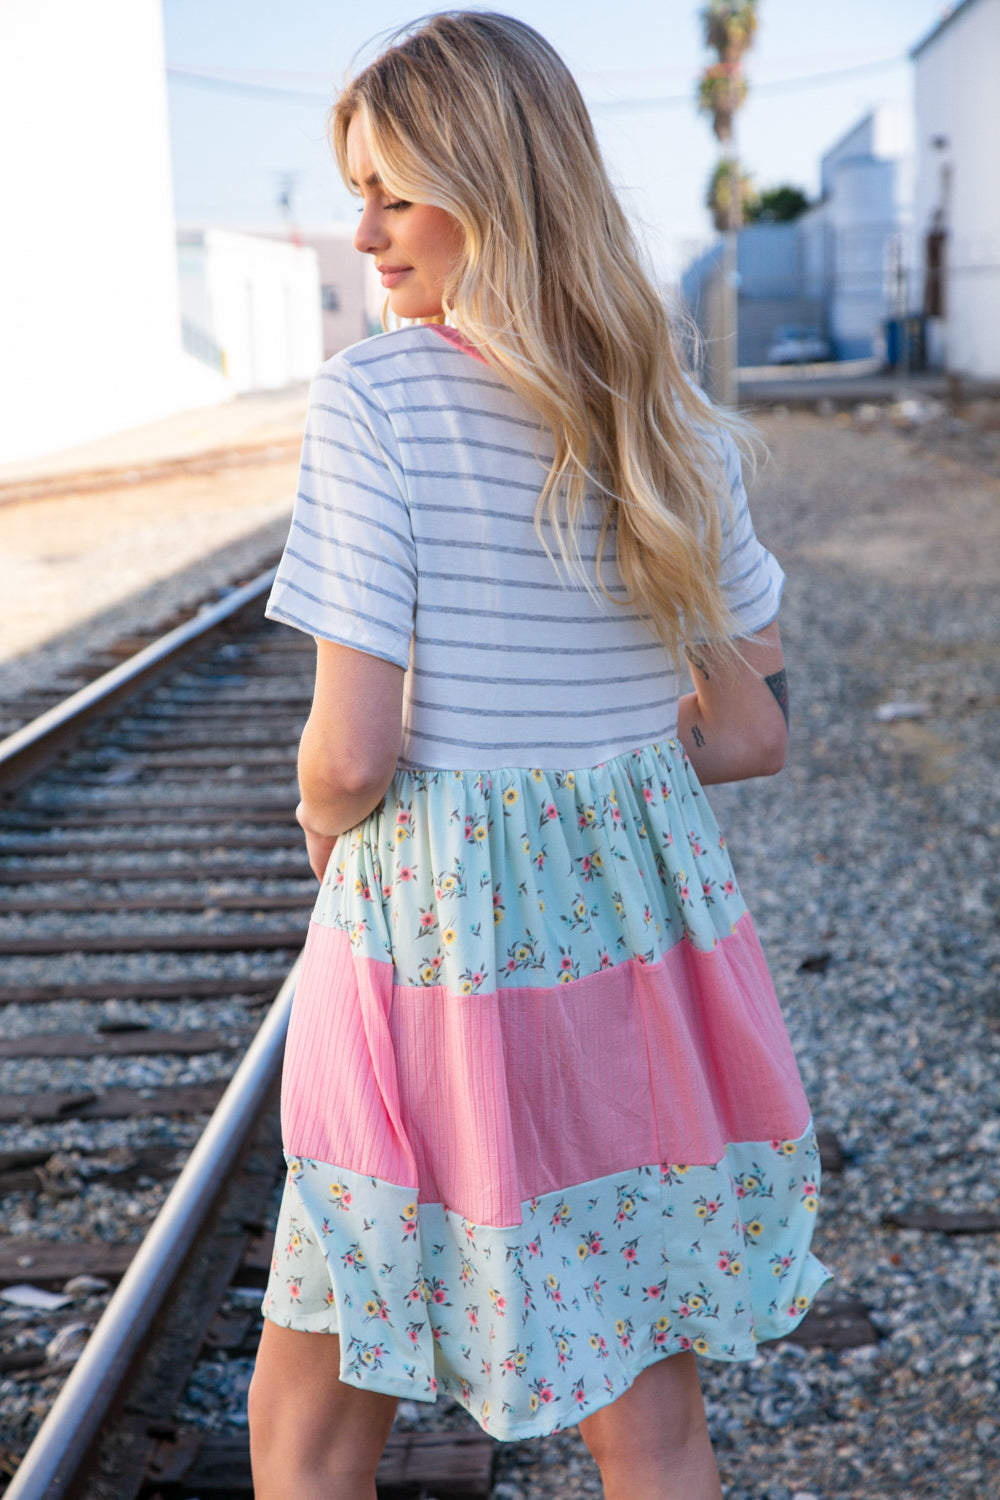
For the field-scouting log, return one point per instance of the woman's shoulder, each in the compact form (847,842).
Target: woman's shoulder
(372,375)
(726,437)
(404,369)
(418,344)
(352,363)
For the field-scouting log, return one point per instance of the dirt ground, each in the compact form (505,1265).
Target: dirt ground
(82,533)
(145,524)
(915,503)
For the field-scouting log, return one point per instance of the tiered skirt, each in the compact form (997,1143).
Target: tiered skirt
(542,1119)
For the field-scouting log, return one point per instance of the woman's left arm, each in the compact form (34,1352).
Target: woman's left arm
(350,745)
(735,723)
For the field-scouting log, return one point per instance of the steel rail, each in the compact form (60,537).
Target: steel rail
(50,1465)
(34,745)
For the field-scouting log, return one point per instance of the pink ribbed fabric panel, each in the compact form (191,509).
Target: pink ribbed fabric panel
(503,1097)
(339,1090)
(554,1091)
(721,1067)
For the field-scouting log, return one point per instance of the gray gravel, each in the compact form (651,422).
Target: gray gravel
(873,856)
(878,846)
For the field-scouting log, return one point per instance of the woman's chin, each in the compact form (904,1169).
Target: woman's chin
(413,308)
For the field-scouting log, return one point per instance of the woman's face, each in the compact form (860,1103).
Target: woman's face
(415,245)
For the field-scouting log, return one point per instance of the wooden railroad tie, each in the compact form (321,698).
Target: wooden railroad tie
(457,1464)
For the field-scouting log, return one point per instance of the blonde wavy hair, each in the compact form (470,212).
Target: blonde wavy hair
(475,113)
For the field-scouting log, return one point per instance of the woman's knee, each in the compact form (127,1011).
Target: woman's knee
(301,1413)
(262,1408)
(662,1409)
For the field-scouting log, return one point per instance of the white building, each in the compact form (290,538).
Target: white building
(957,108)
(89,307)
(854,237)
(250,306)
(350,291)
(836,269)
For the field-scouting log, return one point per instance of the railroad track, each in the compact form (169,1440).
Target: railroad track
(156,894)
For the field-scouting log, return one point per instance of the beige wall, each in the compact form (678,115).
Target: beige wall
(342,276)
(346,278)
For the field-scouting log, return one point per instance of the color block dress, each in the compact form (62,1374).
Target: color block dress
(542,1120)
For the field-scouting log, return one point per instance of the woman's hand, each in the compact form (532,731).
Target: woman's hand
(735,723)
(319,846)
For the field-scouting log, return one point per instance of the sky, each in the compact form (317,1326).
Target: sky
(249,83)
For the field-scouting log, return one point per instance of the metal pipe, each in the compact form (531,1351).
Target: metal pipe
(49,1465)
(22,752)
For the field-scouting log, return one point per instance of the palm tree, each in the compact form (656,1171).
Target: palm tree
(730,26)
(719,197)
(720,93)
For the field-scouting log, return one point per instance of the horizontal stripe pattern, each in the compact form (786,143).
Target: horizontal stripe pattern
(414,520)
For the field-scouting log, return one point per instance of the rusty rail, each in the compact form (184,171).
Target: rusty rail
(23,753)
(51,1465)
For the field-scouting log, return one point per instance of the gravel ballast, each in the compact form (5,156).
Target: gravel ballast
(872,859)
(870,864)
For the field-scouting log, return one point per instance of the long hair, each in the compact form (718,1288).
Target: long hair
(475,113)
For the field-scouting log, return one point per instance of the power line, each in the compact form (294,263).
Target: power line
(219,83)
(778,86)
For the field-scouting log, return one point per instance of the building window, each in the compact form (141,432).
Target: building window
(330,299)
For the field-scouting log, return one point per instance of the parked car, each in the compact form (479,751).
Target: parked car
(796,345)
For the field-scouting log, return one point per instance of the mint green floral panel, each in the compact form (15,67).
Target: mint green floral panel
(531,1327)
(483,880)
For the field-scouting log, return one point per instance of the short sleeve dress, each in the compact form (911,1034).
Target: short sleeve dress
(542,1120)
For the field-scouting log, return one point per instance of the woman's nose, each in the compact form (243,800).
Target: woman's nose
(370,234)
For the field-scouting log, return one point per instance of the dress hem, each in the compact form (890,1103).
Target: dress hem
(426,1303)
(519,1431)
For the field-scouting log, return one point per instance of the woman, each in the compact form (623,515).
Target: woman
(546,1137)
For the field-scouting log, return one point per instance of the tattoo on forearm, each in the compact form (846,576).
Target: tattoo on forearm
(778,683)
(697,735)
(698,662)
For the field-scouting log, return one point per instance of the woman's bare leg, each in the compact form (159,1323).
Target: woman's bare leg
(311,1435)
(652,1443)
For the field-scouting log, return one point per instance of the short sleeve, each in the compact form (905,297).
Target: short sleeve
(348,571)
(750,578)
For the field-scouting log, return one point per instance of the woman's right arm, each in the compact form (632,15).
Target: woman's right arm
(350,745)
(735,723)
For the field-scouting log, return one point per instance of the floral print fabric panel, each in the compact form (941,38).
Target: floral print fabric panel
(532,1327)
(469,1222)
(481,880)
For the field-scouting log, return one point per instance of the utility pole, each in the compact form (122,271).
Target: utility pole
(287,182)
(729,27)
(286,193)
(729,392)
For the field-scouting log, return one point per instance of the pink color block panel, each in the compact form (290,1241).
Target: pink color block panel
(454,337)
(720,1065)
(339,1090)
(522,1093)
(503,1097)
